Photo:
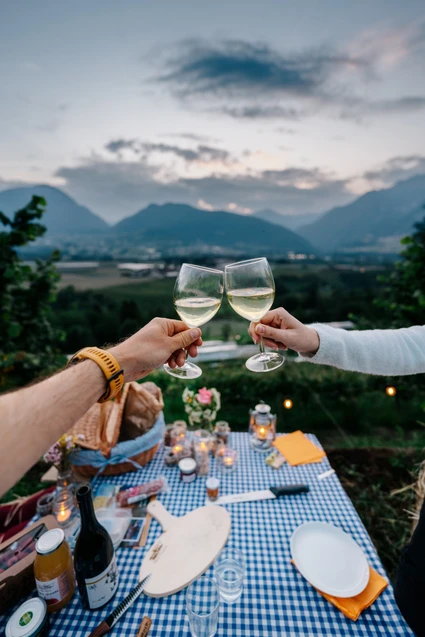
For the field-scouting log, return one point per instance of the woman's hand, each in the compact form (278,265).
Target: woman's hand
(280,330)
(160,341)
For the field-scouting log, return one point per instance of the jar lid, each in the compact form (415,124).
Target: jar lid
(50,541)
(28,619)
(262,408)
(187,465)
(212,483)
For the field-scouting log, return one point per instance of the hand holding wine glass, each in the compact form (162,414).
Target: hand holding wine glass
(250,290)
(198,293)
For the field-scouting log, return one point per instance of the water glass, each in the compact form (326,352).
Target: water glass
(229,570)
(202,605)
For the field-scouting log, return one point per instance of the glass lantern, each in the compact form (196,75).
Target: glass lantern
(262,428)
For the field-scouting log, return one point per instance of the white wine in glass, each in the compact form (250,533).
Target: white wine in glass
(198,293)
(250,290)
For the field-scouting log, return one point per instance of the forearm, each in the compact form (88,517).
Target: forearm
(382,352)
(34,418)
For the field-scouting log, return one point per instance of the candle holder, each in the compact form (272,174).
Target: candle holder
(203,461)
(64,508)
(262,428)
(201,440)
(228,460)
(178,434)
(222,431)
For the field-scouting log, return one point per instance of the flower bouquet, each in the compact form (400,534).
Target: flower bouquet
(59,456)
(202,406)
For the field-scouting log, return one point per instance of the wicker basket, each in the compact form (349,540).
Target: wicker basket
(100,451)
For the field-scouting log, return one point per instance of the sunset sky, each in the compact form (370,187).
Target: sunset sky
(237,105)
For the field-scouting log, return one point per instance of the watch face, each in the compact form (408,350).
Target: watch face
(19,549)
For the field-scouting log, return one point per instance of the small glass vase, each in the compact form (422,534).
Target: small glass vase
(65,479)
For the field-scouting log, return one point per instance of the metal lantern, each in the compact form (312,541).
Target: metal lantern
(262,428)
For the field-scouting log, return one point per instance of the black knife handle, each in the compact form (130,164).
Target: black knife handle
(290,489)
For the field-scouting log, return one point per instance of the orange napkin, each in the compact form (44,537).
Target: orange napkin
(352,607)
(296,448)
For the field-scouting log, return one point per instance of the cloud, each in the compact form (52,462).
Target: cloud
(262,112)
(202,153)
(235,67)
(390,46)
(192,137)
(118,188)
(396,169)
(238,78)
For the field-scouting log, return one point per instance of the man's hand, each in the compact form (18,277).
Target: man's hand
(280,330)
(160,341)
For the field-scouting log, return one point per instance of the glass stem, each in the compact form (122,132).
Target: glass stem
(261,345)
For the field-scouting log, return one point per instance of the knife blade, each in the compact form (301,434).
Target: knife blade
(266,494)
(123,607)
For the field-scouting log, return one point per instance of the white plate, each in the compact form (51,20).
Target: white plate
(329,559)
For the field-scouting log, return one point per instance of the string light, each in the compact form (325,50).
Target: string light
(287,403)
(390,390)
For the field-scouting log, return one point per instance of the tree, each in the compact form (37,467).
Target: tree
(28,342)
(403,297)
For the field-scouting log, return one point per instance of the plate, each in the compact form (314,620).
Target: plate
(329,559)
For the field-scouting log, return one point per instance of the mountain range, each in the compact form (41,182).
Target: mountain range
(371,219)
(293,222)
(63,215)
(184,225)
(368,223)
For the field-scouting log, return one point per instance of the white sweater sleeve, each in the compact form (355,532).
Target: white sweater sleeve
(383,352)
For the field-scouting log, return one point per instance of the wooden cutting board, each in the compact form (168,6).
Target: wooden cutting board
(185,550)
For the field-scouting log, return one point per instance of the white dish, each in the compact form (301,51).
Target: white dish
(329,559)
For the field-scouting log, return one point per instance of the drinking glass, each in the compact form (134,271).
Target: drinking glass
(250,290)
(198,293)
(229,571)
(202,605)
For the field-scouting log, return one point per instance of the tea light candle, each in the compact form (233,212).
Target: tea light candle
(228,459)
(177,449)
(63,514)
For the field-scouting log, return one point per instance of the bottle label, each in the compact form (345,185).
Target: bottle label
(55,590)
(101,589)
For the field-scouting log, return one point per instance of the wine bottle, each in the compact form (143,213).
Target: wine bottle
(94,556)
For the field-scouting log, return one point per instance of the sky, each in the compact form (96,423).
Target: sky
(236,105)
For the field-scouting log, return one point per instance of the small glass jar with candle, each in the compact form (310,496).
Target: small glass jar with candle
(228,459)
(222,431)
(262,428)
(64,508)
(178,434)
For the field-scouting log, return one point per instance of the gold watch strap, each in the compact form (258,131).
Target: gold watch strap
(108,364)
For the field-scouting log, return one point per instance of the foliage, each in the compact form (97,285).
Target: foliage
(339,406)
(28,341)
(401,302)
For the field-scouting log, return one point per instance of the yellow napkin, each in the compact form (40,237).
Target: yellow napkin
(296,448)
(352,607)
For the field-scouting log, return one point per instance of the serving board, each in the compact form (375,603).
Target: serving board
(185,550)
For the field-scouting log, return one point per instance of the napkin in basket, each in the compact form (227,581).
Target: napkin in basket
(297,449)
(352,607)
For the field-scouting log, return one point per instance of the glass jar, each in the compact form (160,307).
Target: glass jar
(222,431)
(262,428)
(187,468)
(64,508)
(53,570)
(213,488)
(228,459)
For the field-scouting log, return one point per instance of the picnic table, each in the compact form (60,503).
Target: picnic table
(276,600)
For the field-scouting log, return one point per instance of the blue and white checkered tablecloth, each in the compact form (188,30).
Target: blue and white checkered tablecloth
(276,601)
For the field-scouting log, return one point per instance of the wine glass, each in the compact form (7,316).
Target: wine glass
(250,290)
(198,293)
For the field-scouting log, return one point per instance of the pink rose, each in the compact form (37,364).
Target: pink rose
(204,396)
